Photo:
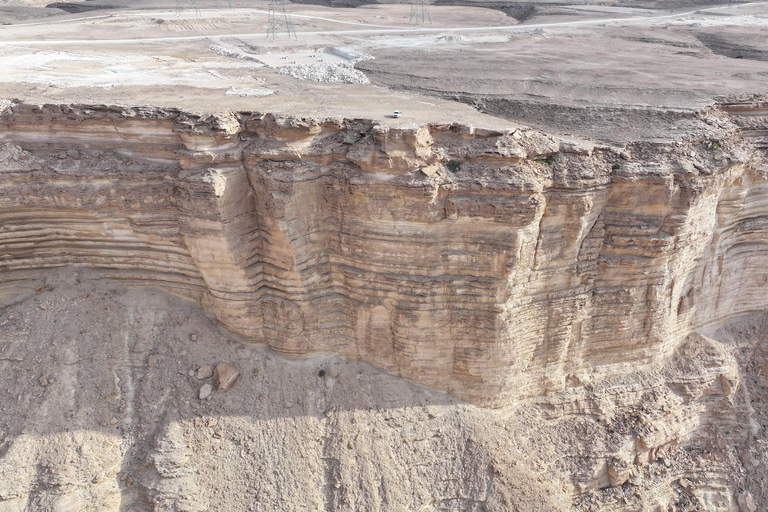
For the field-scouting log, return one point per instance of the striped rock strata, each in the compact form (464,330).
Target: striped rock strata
(491,265)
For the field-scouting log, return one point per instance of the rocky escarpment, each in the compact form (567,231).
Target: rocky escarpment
(492,265)
(599,298)
(101,409)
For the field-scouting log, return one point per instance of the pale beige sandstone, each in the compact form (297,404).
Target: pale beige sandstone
(225,376)
(536,263)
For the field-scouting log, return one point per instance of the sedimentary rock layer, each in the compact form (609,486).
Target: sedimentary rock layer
(492,265)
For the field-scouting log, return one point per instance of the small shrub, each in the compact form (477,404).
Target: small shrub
(454,166)
(616,166)
(321,373)
(713,145)
(549,160)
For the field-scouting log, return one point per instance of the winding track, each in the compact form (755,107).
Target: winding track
(384,29)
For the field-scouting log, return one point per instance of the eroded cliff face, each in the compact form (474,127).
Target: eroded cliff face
(100,410)
(494,266)
(589,299)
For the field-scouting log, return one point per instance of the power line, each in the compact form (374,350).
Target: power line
(182,4)
(280,19)
(420,12)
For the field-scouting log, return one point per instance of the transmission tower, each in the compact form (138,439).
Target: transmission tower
(420,12)
(279,19)
(183,4)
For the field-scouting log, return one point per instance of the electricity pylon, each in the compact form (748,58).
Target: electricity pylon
(279,19)
(182,4)
(420,12)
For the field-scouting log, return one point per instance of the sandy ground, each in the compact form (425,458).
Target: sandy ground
(631,59)
(101,410)
(107,403)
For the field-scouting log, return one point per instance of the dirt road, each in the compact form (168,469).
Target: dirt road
(634,20)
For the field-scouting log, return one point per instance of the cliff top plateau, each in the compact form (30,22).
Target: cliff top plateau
(616,72)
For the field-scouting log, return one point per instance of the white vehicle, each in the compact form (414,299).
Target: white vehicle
(397,114)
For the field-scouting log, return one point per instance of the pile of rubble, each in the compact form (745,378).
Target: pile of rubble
(224,377)
(327,72)
(235,54)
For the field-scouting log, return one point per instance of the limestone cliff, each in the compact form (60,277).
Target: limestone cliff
(492,265)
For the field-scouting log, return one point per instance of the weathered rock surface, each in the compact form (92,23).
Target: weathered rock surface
(519,266)
(225,375)
(684,434)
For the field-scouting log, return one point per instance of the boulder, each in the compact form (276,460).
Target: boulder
(225,376)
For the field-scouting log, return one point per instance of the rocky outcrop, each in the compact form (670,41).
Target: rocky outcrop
(491,265)
(100,410)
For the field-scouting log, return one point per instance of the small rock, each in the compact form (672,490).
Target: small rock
(43,381)
(430,170)
(225,375)
(191,373)
(747,502)
(205,391)
(212,422)
(726,385)
(113,421)
(204,372)
(152,361)
(617,473)
(193,337)
(43,307)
